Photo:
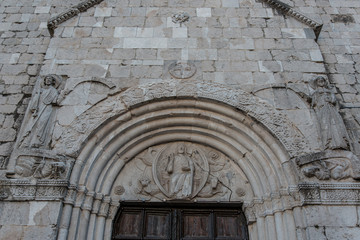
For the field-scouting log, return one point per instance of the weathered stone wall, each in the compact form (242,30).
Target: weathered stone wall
(118,45)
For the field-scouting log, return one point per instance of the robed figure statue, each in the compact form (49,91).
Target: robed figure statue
(332,127)
(39,126)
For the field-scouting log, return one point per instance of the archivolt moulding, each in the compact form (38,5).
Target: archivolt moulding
(120,103)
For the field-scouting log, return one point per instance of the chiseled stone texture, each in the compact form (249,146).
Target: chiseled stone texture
(242,44)
(29,220)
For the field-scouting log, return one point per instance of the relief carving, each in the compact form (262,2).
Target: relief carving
(328,165)
(180,17)
(332,128)
(41,168)
(37,133)
(324,170)
(182,70)
(180,171)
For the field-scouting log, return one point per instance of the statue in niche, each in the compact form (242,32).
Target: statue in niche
(332,127)
(180,167)
(38,129)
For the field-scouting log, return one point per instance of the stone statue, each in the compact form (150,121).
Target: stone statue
(181,169)
(332,127)
(39,127)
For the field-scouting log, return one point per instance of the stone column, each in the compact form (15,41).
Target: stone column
(100,220)
(66,213)
(94,212)
(76,212)
(114,206)
(85,215)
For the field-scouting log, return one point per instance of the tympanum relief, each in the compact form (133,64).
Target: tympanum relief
(181,171)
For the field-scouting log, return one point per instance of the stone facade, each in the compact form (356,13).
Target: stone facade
(251,101)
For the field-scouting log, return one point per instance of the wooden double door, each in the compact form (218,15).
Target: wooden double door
(179,221)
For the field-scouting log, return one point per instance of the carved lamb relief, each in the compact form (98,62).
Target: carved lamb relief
(181,171)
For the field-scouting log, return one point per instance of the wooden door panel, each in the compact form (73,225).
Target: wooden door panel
(178,223)
(157,225)
(196,226)
(129,225)
(226,227)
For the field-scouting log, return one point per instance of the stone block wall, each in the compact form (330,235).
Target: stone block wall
(29,220)
(118,44)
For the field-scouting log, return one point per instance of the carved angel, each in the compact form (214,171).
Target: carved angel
(332,127)
(42,105)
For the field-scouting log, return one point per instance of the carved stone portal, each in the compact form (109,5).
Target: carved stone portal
(181,170)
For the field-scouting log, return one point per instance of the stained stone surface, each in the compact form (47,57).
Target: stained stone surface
(224,100)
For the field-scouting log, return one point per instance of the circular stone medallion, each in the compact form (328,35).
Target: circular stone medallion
(180,170)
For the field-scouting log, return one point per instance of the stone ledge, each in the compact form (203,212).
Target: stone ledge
(15,190)
(332,194)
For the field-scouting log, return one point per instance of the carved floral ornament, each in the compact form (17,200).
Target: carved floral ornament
(181,170)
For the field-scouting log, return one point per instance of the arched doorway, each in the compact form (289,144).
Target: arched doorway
(234,157)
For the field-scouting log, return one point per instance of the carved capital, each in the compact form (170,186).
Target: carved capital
(104,207)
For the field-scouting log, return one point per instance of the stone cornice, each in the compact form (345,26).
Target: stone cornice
(70,13)
(54,22)
(288,10)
